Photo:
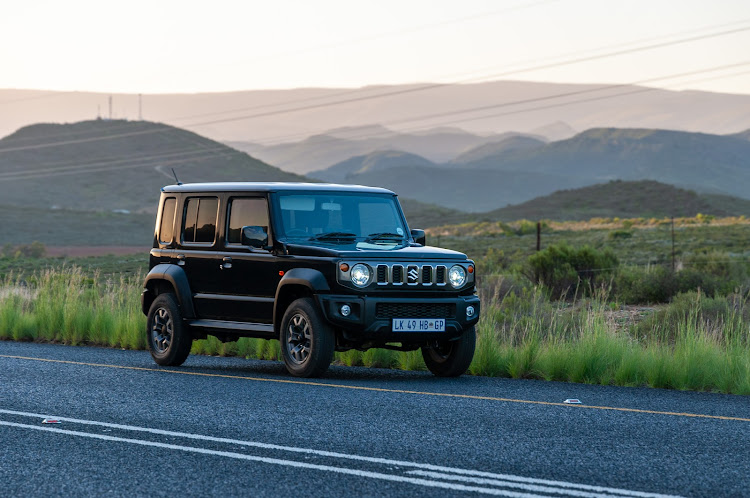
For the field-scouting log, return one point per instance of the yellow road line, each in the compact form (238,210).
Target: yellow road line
(380,389)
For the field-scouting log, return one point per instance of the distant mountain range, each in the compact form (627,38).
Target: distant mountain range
(519,168)
(320,151)
(553,110)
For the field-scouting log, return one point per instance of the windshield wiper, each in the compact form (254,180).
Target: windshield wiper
(341,236)
(389,236)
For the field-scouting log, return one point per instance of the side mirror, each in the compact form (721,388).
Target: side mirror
(419,236)
(255,236)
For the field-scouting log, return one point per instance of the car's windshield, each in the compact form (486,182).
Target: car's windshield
(337,218)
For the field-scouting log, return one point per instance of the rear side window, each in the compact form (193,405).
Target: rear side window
(245,211)
(200,219)
(166,230)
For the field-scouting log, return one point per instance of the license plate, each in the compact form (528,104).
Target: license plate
(418,325)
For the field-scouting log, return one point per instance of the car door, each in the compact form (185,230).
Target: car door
(197,254)
(250,275)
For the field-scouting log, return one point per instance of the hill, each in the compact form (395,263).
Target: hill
(424,215)
(647,199)
(513,142)
(475,190)
(114,165)
(334,146)
(65,227)
(372,162)
(699,161)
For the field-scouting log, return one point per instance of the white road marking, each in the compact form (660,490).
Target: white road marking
(597,490)
(278,461)
(425,469)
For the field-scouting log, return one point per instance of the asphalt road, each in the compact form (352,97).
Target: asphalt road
(235,427)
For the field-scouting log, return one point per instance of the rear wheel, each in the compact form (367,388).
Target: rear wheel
(168,338)
(451,358)
(307,342)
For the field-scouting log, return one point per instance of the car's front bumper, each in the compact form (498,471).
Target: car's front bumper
(371,317)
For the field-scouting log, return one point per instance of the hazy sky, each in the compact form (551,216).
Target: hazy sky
(155,46)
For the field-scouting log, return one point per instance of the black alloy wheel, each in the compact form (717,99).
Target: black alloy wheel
(307,342)
(451,358)
(168,338)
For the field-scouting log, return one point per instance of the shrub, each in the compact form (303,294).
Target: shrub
(719,264)
(619,234)
(563,269)
(712,273)
(34,250)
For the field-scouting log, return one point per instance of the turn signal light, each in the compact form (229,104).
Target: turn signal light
(344,267)
(471,269)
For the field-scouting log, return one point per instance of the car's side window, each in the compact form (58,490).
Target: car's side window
(245,211)
(199,220)
(166,228)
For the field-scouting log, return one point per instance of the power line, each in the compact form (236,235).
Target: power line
(407,90)
(106,165)
(464,78)
(496,75)
(112,164)
(526,101)
(439,85)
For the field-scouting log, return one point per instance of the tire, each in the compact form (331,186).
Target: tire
(451,358)
(167,336)
(307,342)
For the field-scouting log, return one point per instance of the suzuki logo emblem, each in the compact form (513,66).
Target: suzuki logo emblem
(413,274)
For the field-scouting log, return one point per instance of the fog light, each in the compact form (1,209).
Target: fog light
(346,310)
(470,311)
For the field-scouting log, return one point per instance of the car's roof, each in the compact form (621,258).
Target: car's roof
(273,187)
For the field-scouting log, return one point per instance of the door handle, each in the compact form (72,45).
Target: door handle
(226,263)
(180,260)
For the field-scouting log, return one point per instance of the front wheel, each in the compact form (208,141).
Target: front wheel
(169,339)
(307,342)
(451,358)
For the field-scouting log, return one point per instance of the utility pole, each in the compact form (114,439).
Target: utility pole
(110,107)
(140,108)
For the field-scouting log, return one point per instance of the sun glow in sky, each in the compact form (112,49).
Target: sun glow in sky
(155,46)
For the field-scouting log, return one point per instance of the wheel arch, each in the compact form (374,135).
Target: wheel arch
(168,278)
(296,283)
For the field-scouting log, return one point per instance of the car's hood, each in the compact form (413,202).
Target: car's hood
(366,251)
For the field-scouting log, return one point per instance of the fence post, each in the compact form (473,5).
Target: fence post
(672,244)
(538,236)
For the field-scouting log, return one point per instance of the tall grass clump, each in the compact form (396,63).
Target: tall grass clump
(69,307)
(697,342)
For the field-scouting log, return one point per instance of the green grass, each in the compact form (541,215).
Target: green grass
(696,343)
(71,308)
(582,343)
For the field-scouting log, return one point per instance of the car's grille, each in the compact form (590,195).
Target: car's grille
(415,310)
(421,275)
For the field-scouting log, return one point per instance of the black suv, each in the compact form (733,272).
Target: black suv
(321,268)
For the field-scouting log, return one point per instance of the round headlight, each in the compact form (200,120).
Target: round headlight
(360,275)
(457,276)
